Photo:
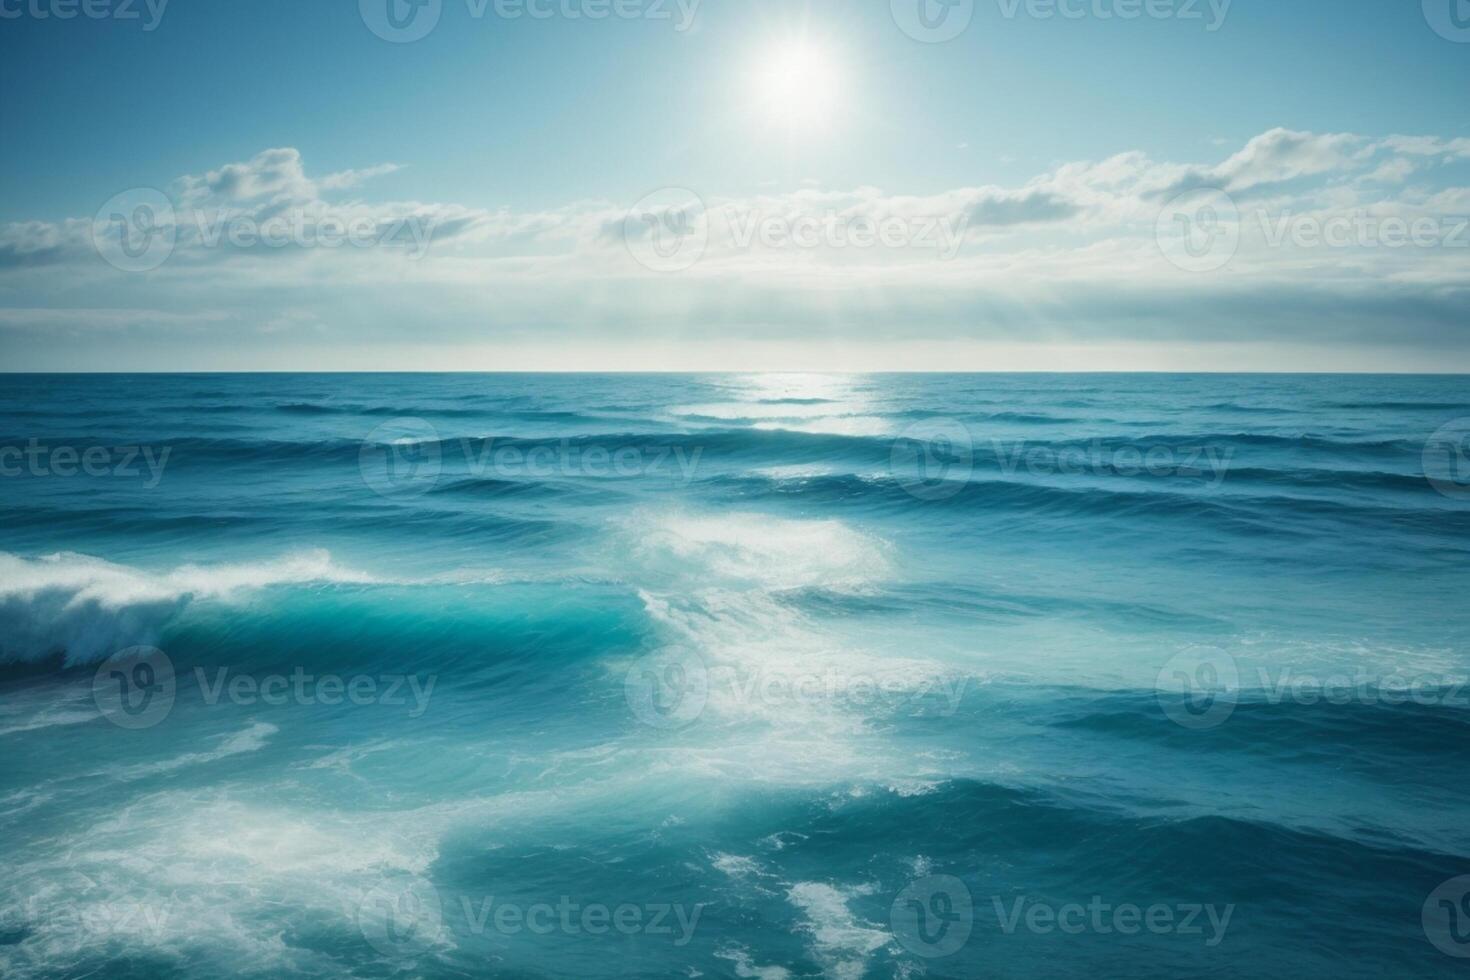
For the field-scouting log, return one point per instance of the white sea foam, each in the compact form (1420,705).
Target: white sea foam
(173,873)
(746,969)
(23,801)
(795,471)
(747,872)
(52,719)
(735,865)
(251,739)
(49,707)
(792,698)
(840,942)
(758,550)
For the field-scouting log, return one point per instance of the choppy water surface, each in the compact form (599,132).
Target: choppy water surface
(765,676)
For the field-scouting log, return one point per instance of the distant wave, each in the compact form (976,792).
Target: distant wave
(1170,498)
(396,411)
(1409,406)
(1034,418)
(489,486)
(775,442)
(1239,409)
(1209,852)
(1369,732)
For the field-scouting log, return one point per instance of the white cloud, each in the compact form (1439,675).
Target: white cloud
(1070,252)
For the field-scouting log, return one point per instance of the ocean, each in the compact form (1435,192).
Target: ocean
(759,676)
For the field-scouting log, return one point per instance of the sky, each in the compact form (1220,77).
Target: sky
(735,184)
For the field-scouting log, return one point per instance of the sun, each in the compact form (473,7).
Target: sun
(796,84)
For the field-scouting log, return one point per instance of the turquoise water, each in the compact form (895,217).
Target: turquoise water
(768,676)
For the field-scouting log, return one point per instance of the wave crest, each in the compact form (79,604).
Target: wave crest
(85,608)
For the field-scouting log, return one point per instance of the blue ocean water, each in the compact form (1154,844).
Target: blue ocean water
(770,676)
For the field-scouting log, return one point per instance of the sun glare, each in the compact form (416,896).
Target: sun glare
(796,84)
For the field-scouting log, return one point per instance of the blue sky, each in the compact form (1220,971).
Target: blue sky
(1042,143)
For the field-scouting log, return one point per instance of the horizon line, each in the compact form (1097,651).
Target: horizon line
(667,372)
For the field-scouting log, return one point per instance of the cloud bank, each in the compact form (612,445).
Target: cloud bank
(1301,241)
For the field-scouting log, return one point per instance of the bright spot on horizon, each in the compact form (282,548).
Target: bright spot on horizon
(797,84)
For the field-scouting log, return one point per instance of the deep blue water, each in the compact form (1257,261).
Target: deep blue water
(734,676)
